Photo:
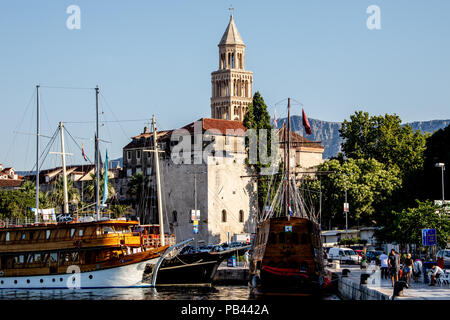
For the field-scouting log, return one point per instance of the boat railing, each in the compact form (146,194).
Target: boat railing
(154,241)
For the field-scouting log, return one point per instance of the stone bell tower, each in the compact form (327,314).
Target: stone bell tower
(232,85)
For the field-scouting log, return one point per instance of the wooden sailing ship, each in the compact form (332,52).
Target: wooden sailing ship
(287,251)
(92,252)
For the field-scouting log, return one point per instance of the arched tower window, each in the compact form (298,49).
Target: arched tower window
(224,216)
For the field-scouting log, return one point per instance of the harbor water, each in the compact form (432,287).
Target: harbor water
(174,293)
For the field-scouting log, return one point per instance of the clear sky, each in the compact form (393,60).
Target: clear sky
(156,57)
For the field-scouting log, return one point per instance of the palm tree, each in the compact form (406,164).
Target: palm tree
(89,190)
(57,194)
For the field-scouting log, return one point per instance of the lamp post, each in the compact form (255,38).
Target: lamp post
(442,166)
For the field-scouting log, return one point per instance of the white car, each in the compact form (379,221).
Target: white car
(344,255)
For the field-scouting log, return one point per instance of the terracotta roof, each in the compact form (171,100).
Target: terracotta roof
(146,139)
(222,126)
(10,183)
(298,141)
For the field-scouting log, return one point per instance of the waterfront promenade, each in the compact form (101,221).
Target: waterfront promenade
(381,289)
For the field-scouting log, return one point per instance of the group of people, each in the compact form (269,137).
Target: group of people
(390,268)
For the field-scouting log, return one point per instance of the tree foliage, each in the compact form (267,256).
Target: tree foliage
(408,224)
(258,118)
(384,139)
(369,185)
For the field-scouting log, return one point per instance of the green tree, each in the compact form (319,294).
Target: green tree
(258,118)
(437,151)
(89,190)
(383,138)
(408,224)
(369,185)
(57,194)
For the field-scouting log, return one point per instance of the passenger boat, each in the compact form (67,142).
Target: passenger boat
(97,254)
(287,254)
(89,252)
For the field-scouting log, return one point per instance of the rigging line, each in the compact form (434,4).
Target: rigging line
(28,141)
(128,120)
(114,115)
(19,123)
(42,106)
(78,145)
(45,151)
(69,88)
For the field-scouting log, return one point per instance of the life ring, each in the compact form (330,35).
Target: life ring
(2,273)
(2,224)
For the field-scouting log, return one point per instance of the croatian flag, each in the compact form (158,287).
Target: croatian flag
(306,122)
(82,152)
(275,121)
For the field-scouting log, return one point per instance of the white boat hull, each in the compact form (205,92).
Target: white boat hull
(127,276)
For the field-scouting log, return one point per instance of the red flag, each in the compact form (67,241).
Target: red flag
(306,123)
(82,152)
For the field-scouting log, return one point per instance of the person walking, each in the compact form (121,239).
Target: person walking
(408,268)
(384,265)
(246,259)
(394,266)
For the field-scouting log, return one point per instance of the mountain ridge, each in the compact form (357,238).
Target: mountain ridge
(327,132)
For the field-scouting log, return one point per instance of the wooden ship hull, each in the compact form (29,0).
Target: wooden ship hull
(287,258)
(99,254)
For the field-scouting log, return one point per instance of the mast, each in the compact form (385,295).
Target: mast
(63,157)
(158,184)
(97,159)
(37,155)
(288,156)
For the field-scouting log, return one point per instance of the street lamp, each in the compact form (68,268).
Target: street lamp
(442,166)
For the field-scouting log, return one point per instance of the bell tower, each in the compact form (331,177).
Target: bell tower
(232,85)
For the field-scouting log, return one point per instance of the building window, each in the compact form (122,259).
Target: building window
(47,234)
(175,216)
(149,171)
(129,172)
(224,216)
(138,170)
(241,216)
(129,155)
(138,155)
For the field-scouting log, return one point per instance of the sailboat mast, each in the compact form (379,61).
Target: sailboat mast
(158,184)
(97,159)
(288,156)
(37,153)
(63,157)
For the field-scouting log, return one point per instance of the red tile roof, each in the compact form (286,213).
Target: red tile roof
(298,141)
(10,183)
(222,126)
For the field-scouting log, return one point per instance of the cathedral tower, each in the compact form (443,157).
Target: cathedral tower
(232,85)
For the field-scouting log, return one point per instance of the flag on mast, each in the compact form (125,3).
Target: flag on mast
(84,154)
(105,181)
(306,122)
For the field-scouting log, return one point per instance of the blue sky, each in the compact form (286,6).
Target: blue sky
(156,57)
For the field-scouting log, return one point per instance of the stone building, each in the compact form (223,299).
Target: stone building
(232,85)
(203,164)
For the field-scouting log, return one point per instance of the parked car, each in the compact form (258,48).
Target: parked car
(444,254)
(374,255)
(344,255)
